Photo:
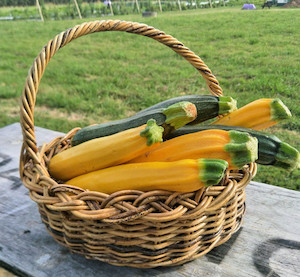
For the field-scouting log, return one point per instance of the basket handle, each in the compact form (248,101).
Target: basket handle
(37,69)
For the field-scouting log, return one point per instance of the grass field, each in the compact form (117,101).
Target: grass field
(106,76)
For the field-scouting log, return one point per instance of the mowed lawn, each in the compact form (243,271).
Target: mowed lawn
(106,76)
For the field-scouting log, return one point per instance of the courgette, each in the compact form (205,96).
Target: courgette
(208,106)
(258,115)
(184,176)
(170,118)
(237,148)
(271,150)
(106,151)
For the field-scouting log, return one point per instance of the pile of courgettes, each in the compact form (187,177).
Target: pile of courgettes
(181,144)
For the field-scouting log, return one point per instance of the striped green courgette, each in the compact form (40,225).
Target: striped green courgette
(208,106)
(271,150)
(170,118)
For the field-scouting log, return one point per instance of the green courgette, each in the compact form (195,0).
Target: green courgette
(271,150)
(208,106)
(171,118)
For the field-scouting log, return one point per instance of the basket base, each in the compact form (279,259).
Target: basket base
(144,257)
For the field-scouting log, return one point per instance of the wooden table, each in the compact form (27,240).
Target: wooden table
(268,244)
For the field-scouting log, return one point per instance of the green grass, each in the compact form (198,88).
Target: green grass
(102,77)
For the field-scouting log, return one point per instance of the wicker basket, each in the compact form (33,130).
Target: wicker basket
(128,228)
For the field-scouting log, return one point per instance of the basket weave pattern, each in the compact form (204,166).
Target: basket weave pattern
(133,228)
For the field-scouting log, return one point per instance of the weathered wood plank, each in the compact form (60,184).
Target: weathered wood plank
(268,244)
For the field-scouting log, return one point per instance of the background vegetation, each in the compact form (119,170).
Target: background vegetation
(4,3)
(66,9)
(102,77)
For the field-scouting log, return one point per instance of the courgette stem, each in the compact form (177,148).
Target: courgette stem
(180,114)
(211,171)
(287,157)
(226,105)
(279,111)
(152,132)
(242,148)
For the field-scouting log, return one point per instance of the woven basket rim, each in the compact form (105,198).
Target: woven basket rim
(80,202)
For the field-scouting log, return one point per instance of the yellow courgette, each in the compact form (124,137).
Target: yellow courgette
(257,115)
(184,176)
(237,148)
(105,151)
